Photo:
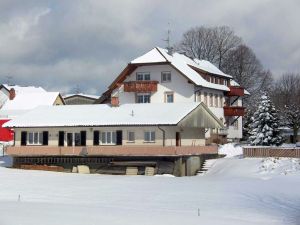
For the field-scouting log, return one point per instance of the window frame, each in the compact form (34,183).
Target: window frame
(169,93)
(211,100)
(152,136)
(112,135)
(38,134)
(143,74)
(143,98)
(168,78)
(128,136)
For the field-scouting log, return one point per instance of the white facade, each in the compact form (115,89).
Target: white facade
(183,89)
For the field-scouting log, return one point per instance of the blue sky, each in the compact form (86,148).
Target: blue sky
(63,44)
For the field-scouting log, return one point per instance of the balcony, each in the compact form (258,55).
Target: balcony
(140,86)
(234,111)
(110,150)
(235,91)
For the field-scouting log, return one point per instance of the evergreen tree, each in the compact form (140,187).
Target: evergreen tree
(264,129)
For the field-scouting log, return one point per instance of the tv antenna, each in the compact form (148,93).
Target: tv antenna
(168,40)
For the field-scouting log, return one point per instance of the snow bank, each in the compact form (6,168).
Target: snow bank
(231,150)
(279,166)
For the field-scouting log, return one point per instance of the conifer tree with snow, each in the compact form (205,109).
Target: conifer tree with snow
(264,129)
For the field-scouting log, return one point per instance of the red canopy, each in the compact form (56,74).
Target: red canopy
(5,133)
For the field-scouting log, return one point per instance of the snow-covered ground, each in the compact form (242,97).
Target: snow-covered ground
(234,191)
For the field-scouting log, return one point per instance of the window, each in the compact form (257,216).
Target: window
(149,136)
(205,98)
(77,139)
(143,76)
(143,98)
(211,100)
(217,80)
(35,138)
(108,137)
(169,97)
(130,136)
(216,101)
(221,101)
(165,77)
(225,82)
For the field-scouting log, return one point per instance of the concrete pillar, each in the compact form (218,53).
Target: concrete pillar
(178,167)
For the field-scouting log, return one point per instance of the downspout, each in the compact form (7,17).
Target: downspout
(164,132)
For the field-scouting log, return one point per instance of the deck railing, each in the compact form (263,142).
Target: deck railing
(111,150)
(258,152)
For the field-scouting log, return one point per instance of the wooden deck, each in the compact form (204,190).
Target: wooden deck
(111,151)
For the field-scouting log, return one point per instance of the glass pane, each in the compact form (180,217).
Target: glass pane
(169,77)
(103,137)
(169,98)
(35,138)
(140,99)
(40,138)
(77,139)
(108,138)
(147,136)
(146,98)
(147,76)
(139,76)
(152,136)
(114,137)
(30,138)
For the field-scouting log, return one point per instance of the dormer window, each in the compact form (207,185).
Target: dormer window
(165,77)
(143,76)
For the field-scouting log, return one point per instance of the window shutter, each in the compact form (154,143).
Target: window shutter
(61,138)
(45,137)
(83,138)
(96,137)
(23,138)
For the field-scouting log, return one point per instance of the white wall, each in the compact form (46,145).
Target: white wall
(189,136)
(183,91)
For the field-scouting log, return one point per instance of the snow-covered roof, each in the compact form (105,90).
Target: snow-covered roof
(30,100)
(183,64)
(24,89)
(106,115)
(81,94)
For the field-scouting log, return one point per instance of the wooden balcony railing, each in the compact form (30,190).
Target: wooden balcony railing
(235,91)
(234,111)
(110,150)
(140,86)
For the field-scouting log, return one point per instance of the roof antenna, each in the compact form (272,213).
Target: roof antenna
(169,48)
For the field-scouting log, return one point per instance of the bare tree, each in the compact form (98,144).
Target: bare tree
(209,43)
(286,96)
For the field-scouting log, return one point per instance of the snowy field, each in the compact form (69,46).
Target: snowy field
(234,191)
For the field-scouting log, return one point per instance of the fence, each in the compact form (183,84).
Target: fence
(271,152)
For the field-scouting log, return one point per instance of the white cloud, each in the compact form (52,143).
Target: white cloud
(65,43)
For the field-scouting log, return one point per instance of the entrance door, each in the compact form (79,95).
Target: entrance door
(178,139)
(119,137)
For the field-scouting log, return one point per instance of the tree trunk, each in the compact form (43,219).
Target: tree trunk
(295,129)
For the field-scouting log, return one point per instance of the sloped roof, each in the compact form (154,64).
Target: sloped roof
(183,64)
(105,115)
(30,100)
(24,89)
(82,95)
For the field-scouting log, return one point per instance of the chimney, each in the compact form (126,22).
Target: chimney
(12,94)
(114,101)
(170,50)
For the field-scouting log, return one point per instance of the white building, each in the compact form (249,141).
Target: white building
(160,76)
